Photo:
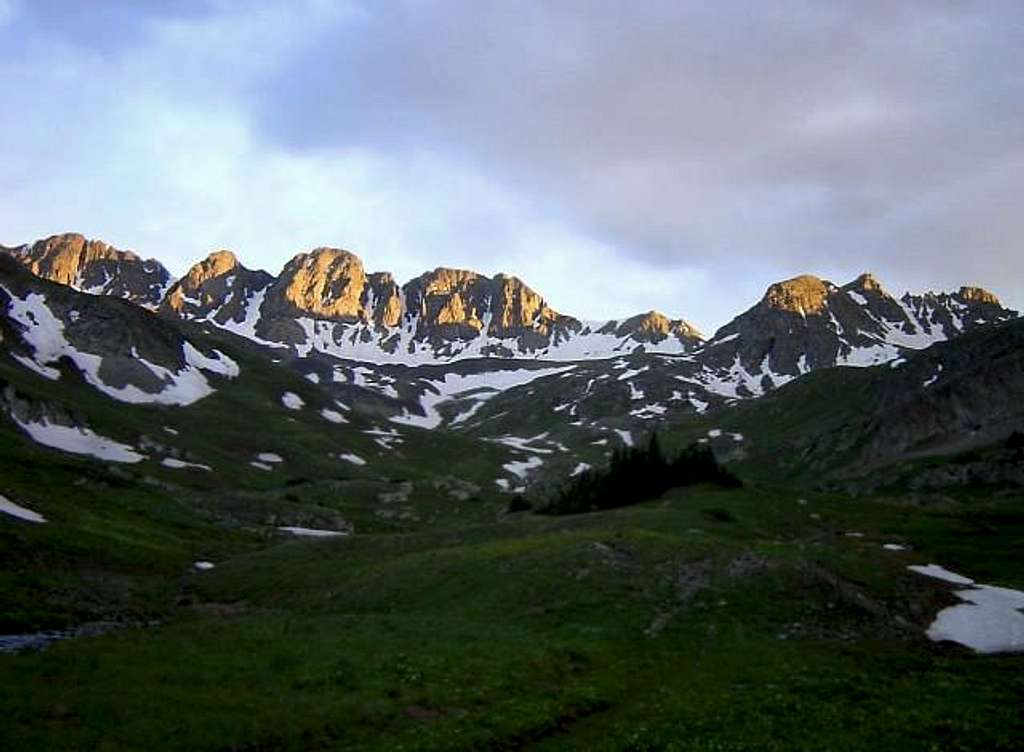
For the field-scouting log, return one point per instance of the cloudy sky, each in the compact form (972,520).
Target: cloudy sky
(617,156)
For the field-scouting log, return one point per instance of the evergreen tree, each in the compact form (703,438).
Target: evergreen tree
(636,474)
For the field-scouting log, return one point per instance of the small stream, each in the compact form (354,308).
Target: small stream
(18,643)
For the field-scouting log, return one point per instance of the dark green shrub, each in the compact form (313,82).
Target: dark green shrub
(519,504)
(636,474)
(719,515)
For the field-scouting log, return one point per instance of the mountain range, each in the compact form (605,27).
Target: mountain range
(486,358)
(325,301)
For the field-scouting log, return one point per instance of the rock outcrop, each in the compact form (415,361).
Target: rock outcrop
(654,327)
(94,267)
(805,294)
(326,283)
(463,305)
(218,289)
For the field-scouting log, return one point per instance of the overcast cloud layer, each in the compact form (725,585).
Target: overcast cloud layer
(616,156)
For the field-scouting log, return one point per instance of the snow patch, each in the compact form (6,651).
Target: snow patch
(79,441)
(219,363)
(310,532)
(521,468)
(176,464)
(489,383)
(990,620)
(522,444)
(648,412)
(580,468)
(292,401)
(16,510)
(940,573)
(627,375)
(44,332)
(385,439)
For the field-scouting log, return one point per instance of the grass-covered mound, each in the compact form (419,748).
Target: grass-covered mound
(636,474)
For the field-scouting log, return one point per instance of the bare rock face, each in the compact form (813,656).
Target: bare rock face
(518,309)
(977,295)
(654,327)
(804,294)
(462,305)
(217,288)
(382,299)
(93,266)
(326,283)
(448,303)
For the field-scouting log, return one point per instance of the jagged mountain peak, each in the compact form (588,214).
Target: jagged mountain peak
(216,288)
(655,326)
(463,304)
(95,267)
(806,323)
(866,282)
(324,255)
(970,294)
(324,283)
(803,294)
(444,279)
(219,262)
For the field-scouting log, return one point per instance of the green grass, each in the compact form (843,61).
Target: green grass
(706,619)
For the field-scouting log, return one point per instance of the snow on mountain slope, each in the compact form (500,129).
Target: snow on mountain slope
(807,323)
(476,386)
(122,353)
(79,440)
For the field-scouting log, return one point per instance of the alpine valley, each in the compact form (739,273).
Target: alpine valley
(314,511)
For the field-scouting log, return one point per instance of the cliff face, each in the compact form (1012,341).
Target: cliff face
(218,288)
(93,266)
(382,299)
(326,283)
(460,304)
(804,295)
(448,303)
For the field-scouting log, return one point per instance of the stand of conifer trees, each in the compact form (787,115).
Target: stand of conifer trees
(636,474)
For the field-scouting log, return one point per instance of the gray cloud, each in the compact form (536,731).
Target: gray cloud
(777,136)
(99,25)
